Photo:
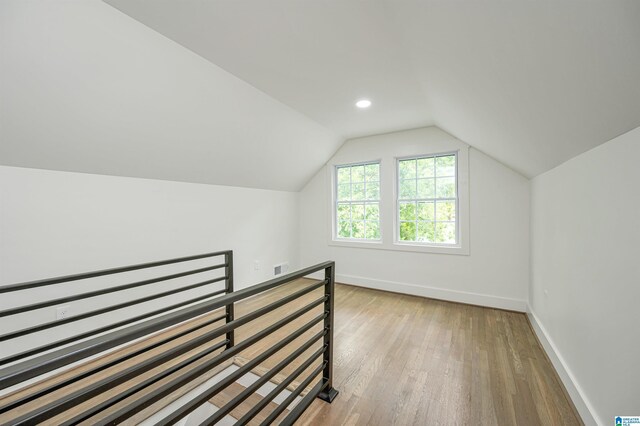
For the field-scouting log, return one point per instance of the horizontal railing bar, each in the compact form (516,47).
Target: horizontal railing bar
(251,389)
(47,411)
(278,389)
(46,365)
(115,361)
(159,393)
(275,282)
(194,403)
(50,361)
(209,336)
(48,325)
(123,375)
(90,333)
(110,271)
(47,362)
(95,293)
(297,391)
(297,411)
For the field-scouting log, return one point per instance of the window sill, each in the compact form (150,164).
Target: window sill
(459,250)
(426,248)
(356,243)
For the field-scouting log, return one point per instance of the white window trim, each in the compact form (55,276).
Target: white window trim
(334,203)
(388,203)
(396,197)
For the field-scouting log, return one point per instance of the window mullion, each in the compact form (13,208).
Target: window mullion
(350,203)
(440,186)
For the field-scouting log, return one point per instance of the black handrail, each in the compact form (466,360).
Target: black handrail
(251,389)
(101,292)
(198,355)
(228,272)
(33,396)
(93,332)
(306,401)
(38,365)
(281,387)
(111,271)
(70,400)
(75,318)
(215,389)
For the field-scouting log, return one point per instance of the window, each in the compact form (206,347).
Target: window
(357,207)
(428,200)
(408,193)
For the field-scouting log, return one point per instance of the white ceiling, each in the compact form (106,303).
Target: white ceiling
(85,88)
(531,83)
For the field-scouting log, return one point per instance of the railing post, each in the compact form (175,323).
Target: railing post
(329,393)
(228,270)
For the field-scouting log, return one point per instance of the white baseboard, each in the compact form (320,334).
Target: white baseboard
(436,293)
(585,409)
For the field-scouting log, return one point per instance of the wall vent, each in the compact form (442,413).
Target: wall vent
(281,268)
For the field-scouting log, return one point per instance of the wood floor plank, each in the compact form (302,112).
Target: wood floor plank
(407,360)
(401,360)
(238,412)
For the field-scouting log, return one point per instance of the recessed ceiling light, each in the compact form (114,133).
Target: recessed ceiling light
(363,103)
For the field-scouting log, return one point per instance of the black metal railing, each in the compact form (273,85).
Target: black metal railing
(198,355)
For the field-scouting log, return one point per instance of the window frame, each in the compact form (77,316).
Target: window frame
(336,202)
(411,143)
(398,200)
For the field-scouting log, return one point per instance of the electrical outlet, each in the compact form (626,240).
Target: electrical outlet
(256,265)
(63,312)
(285,267)
(277,270)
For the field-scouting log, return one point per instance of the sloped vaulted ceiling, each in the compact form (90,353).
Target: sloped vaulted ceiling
(264,91)
(531,83)
(85,88)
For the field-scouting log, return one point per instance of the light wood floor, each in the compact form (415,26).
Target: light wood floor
(397,360)
(403,360)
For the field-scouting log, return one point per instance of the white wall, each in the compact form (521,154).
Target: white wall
(495,273)
(86,88)
(58,223)
(585,284)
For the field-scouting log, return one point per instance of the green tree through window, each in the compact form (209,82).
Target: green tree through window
(427,199)
(357,209)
